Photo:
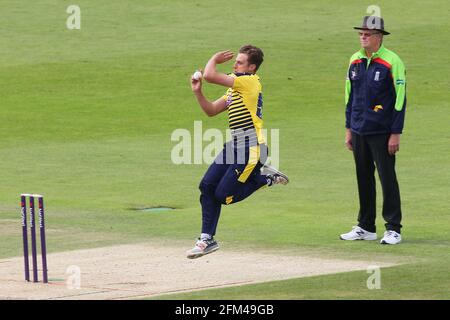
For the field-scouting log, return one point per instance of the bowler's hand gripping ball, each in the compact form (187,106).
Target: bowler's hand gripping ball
(197,75)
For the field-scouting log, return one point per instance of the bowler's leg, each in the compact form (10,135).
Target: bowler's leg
(231,190)
(210,206)
(241,180)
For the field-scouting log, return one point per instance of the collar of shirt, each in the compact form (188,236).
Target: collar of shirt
(362,53)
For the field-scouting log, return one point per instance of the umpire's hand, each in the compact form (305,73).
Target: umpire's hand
(394,143)
(348,139)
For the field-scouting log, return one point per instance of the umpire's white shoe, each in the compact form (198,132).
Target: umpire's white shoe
(358,233)
(274,176)
(391,237)
(202,247)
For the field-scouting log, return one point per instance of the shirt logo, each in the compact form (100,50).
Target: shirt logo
(378,108)
(377,76)
(353,75)
(229,99)
(400,81)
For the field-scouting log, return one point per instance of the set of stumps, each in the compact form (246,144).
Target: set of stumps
(23,205)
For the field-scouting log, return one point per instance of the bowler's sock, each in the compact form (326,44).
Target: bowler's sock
(205,236)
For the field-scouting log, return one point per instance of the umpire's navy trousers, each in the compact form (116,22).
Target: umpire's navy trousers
(371,151)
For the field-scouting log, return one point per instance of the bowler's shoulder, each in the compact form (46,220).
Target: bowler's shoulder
(246,77)
(246,82)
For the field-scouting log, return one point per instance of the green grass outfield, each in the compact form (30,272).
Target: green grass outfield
(87,117)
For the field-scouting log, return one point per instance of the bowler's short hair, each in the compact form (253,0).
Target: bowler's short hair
(255,54)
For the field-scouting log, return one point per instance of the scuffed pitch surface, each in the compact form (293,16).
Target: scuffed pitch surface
(134,271)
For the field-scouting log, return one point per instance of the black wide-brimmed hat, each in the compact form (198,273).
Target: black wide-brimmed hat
(373,23)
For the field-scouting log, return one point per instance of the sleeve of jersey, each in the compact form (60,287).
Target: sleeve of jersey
(348,100)
(399,78)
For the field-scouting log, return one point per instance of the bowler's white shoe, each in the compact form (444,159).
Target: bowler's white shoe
(358,233)
(202,247)
(275,176)
(391,237)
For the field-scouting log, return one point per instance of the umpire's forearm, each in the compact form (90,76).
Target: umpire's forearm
(206,105)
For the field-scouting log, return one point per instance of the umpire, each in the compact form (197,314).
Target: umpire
(375,94)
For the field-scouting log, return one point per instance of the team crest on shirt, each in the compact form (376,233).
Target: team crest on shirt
(377,76)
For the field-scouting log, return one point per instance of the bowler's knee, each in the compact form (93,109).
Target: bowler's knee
(223,196)
(207,187)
